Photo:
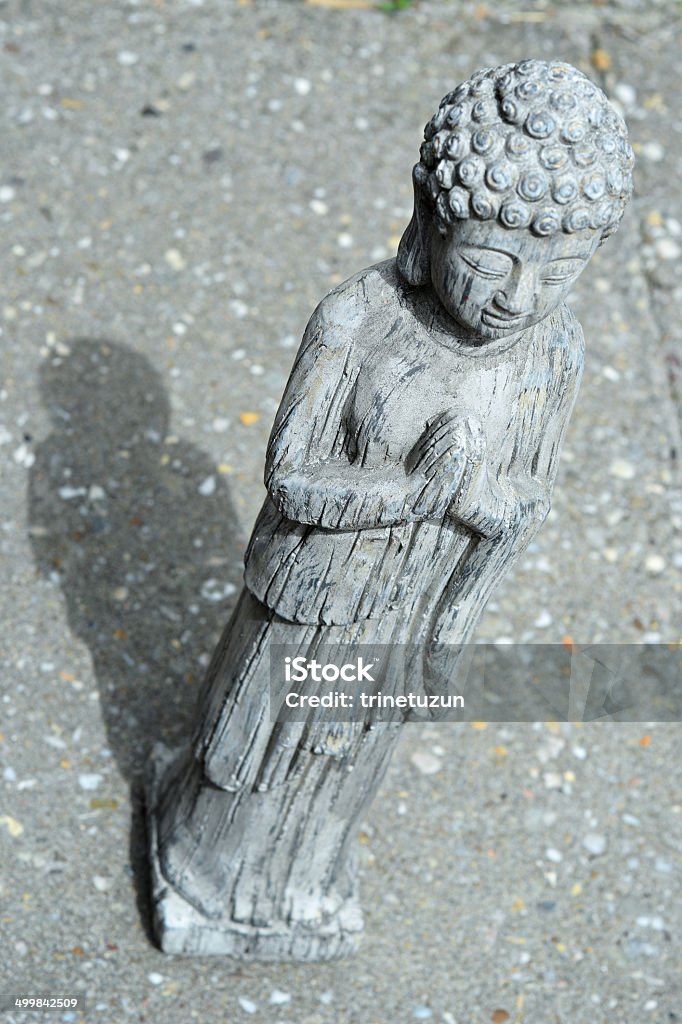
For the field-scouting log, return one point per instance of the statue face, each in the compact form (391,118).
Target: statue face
(496,282)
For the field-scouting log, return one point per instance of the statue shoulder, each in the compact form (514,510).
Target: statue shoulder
(362,297)
(342,329)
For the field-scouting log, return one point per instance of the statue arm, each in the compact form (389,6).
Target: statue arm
(308,473)
(496,503)
(493,504)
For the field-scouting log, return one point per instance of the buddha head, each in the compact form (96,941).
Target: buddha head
(524,171)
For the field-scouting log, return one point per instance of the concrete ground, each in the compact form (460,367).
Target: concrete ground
(181,182)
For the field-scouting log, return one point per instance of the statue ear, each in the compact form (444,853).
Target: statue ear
(414,262)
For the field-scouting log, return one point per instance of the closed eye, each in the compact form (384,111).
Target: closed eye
(490,266)
(561,271)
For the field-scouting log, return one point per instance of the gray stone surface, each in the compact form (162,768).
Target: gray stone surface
(121,229)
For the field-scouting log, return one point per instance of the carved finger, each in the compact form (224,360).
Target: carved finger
(447,416)
(417,452)
(435,426)
(433,454)
(446,460)
(432,500)
(435,430)
(449,436)
(445,430)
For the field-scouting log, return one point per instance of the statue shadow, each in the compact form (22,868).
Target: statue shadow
(139,531)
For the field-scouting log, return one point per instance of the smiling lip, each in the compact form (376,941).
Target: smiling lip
(499,320)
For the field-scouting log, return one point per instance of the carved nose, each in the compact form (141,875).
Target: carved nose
(518,304)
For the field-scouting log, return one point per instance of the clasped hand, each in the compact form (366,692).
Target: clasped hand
(443,462)
(448,474)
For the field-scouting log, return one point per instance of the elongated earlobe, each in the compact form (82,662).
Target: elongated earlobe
(413,252)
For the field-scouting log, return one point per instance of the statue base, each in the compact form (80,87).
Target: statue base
(180,928)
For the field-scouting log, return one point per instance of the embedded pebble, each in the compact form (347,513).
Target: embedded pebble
(625,93)
(422,1013)
(155,978)
(302,86)
(656,922)
(67,493)
(543,620)
(7,194)
(23,456)
(622,469)
(319,207)
(101,883)
(126,58)
(653,151)
(654,564)
(220,424)
(186,80)
(279,998)
(326,998)
(90,780)
(239,308)
(216,590)
(426,763)
(56,742)
(249,418)
(207,488)
(247,1005)
(345,240)
(667,249)
(14,827)
(175,259)
(554,855)
(595,843)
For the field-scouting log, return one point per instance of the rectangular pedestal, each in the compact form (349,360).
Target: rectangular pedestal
(181,928)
